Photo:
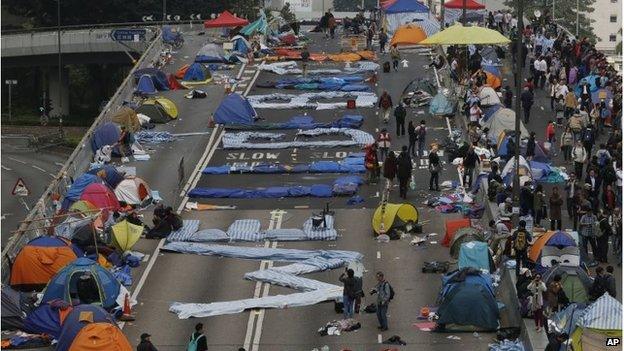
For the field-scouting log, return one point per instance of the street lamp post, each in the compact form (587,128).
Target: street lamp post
(577,18)
(518,79)
(60,67)
(164,9)
(464,13)
(10,83)
(441,14)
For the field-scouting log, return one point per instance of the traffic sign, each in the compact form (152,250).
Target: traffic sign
(128,34)
(20,189)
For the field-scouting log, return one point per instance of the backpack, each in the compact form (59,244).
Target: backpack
(192,345)
(421,132)
(391,297)
(587,137)
(520,243)
(602,160)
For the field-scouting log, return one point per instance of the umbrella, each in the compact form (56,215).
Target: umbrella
(460,35)
(126,234)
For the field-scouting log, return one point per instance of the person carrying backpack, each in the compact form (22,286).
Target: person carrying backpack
(421,136)
(385,294)
(520,241)
(198,339)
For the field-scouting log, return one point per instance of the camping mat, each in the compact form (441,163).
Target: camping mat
(245,230)
(189,228)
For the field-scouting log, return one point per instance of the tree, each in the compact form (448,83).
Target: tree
(287,14)
(565,14)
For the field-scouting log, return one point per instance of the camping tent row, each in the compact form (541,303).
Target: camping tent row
(149,81)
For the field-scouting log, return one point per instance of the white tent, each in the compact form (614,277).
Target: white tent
(510,167)
(503,119)
(133,191)
(488,96)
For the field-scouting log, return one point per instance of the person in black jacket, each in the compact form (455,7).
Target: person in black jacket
(470,163)
(349,292)
(146,343)
(530,148)
(527,102)
(434,168)
(399,115)
(508,97)
(411,132)
(404,171)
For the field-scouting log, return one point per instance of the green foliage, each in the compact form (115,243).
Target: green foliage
(287,14)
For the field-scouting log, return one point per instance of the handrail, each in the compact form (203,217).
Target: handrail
(97,26)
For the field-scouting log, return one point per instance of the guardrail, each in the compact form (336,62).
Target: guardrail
(77,163)
(99,26)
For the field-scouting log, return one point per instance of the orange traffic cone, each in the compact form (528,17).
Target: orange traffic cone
(127,310)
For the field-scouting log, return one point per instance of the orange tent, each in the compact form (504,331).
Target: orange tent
(39,260)
(181,71)
(536,249)
(408,35)
(452,225)
(492,80)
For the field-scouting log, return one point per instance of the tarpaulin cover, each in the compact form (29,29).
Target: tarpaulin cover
(170,35)
(241,140)
(78,187)
(112,176)
(235,109)
(406,6)
(146,86)
(279,168)
(441,105)
(290,67)
(106,134)
(317,190)
(260,25)
(309,100)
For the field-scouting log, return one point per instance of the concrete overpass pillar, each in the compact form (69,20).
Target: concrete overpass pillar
(58,93)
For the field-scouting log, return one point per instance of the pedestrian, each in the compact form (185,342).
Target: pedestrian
(324,23)
(537,289)
(611,284)
(411,132)
(395,55)
(602,237)
(566,143)
(384,295)
(475,113)
(434,167)
(390,168)
(541,67)
(421,136)
(588,138)
(383,142)
(617,239)
(371,163)
(552,295)
(383,39)
(530,147)
(198,339)
(587,236)
(331,24)
(399,116)
(146,343)
(550,137)
(592,184)
(579,156)
(576,125)
(599,286)
(305,56)
(385,103)
(527,101)
(404,171)
(508,97)
(539,205)
(556,201)
(348,293)
(520,241)
(608,198)
(470,163)
(370,33)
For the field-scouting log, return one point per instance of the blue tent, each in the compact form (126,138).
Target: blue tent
(260,25)
(159,78)
(106,134)
(241,45)
(196,73)
(235,109)
(441,105)
(74,322)
(45,319)
(468,307)
(169,35)
(407,6)
(77,187)
(468,275)
(492,69)
(112,175)
(145,86)
(561,239)
(210,53)
(489,111)
(64,284)
(474,254)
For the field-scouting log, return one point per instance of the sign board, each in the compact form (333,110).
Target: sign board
(128,34)
(300,5)
(20,189)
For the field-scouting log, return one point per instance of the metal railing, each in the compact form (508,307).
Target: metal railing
(77,163)
(98,26)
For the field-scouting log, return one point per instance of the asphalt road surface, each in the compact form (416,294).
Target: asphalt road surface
(192,278)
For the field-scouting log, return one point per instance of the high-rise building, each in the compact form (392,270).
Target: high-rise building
(607,25)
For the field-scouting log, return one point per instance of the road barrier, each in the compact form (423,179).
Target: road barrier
(77,163)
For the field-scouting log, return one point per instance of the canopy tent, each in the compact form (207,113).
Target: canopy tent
(47,318)
(509,170)
(209,53)
(460,35)
(133,191)
(464,235)
(109,173)
(106,134)
(90,327)
(574,280)
(441,105)
(468,307)
(126,234)
(459,4)
(156,112)
(258,26)
(394,216)
(451,227)
(235,109)
(408,34)
(127,117)
(401,12)
(145,86)
(196,74)
(475,254)
(402,6)
(488,96)
(599,321)
(159,78)
(169,106)
(224,20)
(39,260)
(101,197)
(551,238)
(86,280)
(12,314)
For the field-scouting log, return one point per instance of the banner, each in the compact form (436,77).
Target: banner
(300,5)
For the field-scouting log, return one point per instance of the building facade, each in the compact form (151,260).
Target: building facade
(607,24)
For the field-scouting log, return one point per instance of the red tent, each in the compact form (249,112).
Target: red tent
(173,83)
(225,19)
(459,4)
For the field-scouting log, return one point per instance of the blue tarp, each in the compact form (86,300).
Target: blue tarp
(407,6)
(474,254)
(195,73)
(112,175)
(348,165)
(146,86)
(106,134)
(79,185)
(441,105)
(169,36)
(235,109)
(316,190)
(240,46)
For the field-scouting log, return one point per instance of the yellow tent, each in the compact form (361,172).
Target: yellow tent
(126,117)
(126,234)
(395,216)
(169,106)
(408,34)
(460,35)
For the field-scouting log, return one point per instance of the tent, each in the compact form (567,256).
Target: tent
(156,112)
(474,254)
(182,70)
(133,191)
(225,19)
(111,175)
(196,74)
(459,4)
(394,216)
(468,275)
(464,235)
(491,68)
(441,105)
(77,188)
(401,12)
(85,280)
(409,34)
(451,227)
(126,234)
(260,26)
(170,35)
(159,78)
(209,53)
(74,220)
(47,318)
(169,106)
(460,35)
(126,117)
(106,134)
(241,45)
(173,83)
(559,239)
(145,86)
(492,80)
(235,109)
(566,256)
(565,320)
(509,170)
(90,327)
(101,197)
(468,307)
(488,96)
(574,280)
(502,120)
(39,260)
(419,84)
(12,313)
(599,321)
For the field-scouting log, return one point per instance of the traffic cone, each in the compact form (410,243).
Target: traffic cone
(127,310)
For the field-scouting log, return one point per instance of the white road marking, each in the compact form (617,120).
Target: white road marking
(379,339)
(59,164)
(201,161)
(253,81)
(258,288)
(16,160)
(378,255)
(249,71)
(146,257)
(39,168)
(6,168)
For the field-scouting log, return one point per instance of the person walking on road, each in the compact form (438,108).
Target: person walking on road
(520,241)
(527,102)
(530,147)
(434,168)
(198,339)
(371,163)
(385,103)
(383,142)
(421,137)
(305,56)
(404,171)
(587,237)
(470,163)
(555,202)
(384,295)
(395,55)
(537,289)
(399,116)
(390,168)
(383,39)
(349,294)
(146,343)
(566,143)
(411,132)
(579,156)
(508,97)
